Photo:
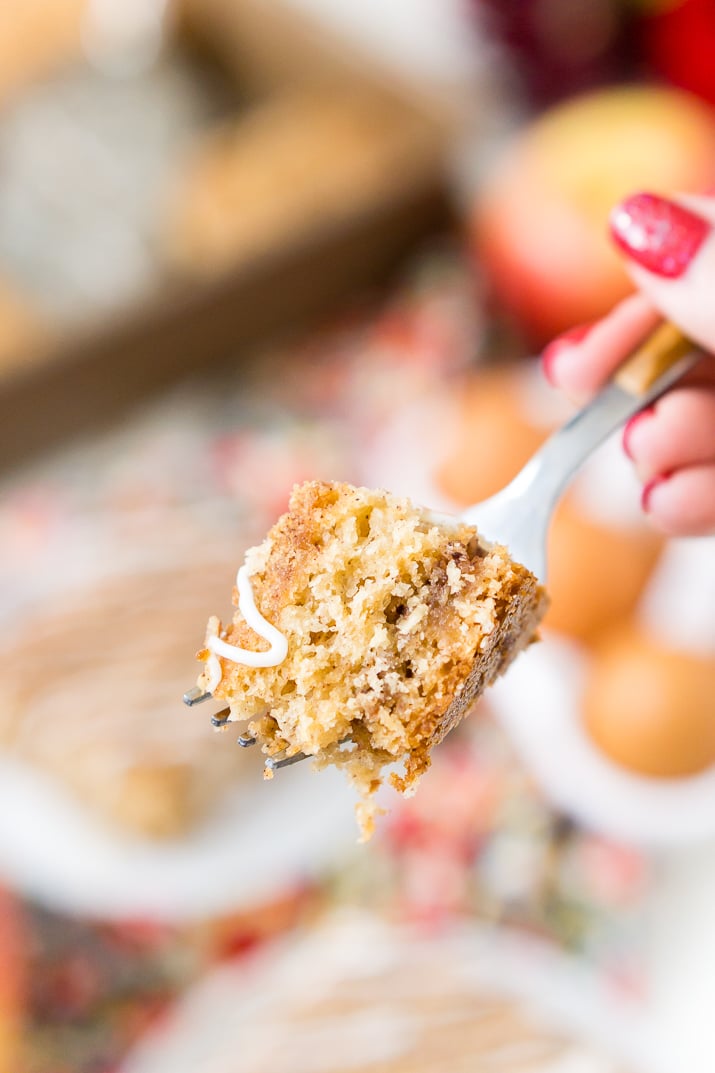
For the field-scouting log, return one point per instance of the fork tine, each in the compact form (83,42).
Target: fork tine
(274,764)
(221,718)
(196,696)
(246,741)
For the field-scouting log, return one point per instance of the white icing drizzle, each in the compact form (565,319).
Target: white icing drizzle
(214,672)
(218,647)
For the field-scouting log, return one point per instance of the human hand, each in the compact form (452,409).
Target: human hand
(670,255)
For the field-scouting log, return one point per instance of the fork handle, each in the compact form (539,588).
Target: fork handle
(663,349)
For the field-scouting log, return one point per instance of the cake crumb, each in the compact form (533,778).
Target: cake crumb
(395,621)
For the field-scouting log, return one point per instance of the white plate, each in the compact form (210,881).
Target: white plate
(210,1028)
(538,702)
(262,840)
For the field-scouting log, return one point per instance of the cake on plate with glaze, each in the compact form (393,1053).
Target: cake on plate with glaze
(365,628)
(357,994)
(88,697)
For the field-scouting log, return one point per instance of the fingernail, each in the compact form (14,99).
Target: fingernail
(628,430)
(569,338)
(658,234)
(649,488)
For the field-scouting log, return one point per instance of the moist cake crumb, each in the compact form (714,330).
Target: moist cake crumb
(396,620)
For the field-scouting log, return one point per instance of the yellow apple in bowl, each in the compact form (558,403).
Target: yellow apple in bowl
(540,222)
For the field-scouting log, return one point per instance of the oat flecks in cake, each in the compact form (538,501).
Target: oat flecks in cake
(395,622)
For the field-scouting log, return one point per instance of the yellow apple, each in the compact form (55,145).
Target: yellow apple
(490,437)
(597,572)
(651,708)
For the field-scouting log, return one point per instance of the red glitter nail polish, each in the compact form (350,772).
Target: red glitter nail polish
(569,338)
(658,234)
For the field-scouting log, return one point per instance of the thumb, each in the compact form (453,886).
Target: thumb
(670,251)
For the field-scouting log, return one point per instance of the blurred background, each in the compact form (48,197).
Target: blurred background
(246,243)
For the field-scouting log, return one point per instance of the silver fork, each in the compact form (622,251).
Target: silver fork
(519,515)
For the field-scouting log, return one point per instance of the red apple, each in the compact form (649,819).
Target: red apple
(540,220)
(678,40)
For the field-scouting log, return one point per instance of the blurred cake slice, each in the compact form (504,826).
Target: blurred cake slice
(88,694)
(289,168)
(382,622)
(356,994)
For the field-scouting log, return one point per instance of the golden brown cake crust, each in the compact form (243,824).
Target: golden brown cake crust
(396,619)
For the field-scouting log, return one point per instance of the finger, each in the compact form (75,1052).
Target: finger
(669,247)
(583,359)
(682,503)
(702,375)
(676,431)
